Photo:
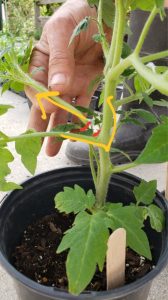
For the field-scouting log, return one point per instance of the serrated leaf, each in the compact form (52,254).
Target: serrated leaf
(9,186)
(146,115)
(145,192)
(82,26)
(156,216)
(87,241)
(128,217)
(5,158)
(156,149)
(74,200)
(4,108)
(29,149)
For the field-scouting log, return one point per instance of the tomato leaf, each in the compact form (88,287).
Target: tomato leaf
(145,192)
(74,200)
(8,186)
(156,150)
(128,217)
(87,241)
(156,216)
(29,149)
(5,158)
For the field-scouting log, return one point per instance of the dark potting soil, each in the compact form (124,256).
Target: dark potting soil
(36,256)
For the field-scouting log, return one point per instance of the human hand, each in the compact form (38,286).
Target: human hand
(68,70)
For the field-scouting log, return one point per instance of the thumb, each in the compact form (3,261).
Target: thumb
(61,59)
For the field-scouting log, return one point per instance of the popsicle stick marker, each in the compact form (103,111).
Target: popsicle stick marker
(115,260)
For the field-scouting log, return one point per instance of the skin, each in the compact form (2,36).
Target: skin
(67,69)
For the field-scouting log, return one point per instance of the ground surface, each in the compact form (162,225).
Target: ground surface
(15,122)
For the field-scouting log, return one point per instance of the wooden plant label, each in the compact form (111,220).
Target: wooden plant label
(116,255)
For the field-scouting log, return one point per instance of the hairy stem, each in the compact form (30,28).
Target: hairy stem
(114,57)
(92,167)
(105,45)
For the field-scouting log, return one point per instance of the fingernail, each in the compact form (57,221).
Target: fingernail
(58,79)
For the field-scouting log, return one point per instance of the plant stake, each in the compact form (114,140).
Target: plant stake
(116,255)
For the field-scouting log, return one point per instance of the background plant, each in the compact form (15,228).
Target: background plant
(94,215)
(20,16)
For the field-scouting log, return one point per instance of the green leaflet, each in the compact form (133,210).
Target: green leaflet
(156,216)
(145,192)
(156,149)
(74,200)
(5,158)
(29,149)
(86,250)
(108,10)
(8,186)
(140,84)
(4,108)
(128,217)
(146,115)
(146,4)
(82,26)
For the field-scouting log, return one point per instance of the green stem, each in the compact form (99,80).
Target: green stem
(116,45)
(145,30)
(46,134)
(92,167)
(110,90)
(132,98)
(105,45)
(123,167)
(155,56)
(27,80)
(120,32)
(159,82)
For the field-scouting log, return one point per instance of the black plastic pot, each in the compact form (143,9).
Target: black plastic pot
(22,207)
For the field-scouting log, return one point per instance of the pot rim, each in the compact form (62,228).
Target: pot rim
(52,292)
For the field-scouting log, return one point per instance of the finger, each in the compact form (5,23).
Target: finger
(39,71)
(61,58)
(59,117)
(35,120)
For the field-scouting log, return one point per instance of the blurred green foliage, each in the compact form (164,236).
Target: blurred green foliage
(21,17)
